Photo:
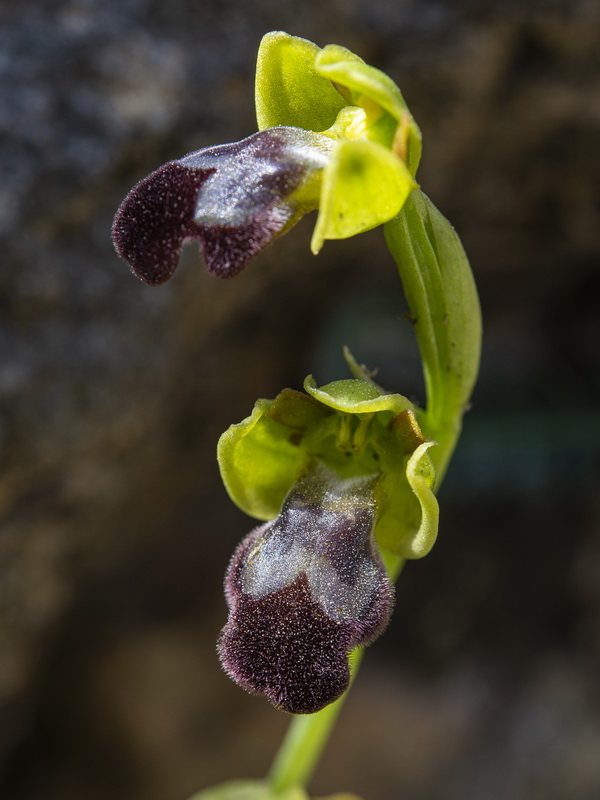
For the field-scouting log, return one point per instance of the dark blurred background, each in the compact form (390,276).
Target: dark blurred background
(115,530)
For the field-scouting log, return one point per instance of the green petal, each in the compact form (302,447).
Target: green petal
(342,66)
(408,521)
(421,478)
(355,396)
(289,90)
(260,457)
(364,185)
(365,83)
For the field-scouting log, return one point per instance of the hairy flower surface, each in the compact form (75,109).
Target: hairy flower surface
(303,590)
(234,199)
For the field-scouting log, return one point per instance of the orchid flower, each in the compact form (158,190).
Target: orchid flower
(335,135)
(339,472)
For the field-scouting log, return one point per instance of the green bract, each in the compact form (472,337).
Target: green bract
(444,306)
(371,171)
(354,429)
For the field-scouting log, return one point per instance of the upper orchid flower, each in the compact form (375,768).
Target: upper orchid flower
(335,135)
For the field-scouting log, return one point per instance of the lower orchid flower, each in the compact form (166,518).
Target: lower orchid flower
(336,466)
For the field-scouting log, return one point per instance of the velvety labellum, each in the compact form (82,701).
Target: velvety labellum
(303,590)
(233,198)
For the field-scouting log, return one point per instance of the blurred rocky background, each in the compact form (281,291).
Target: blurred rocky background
(114,528)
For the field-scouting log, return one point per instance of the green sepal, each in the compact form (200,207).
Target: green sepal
(364,185)
(260,458)
(442,297)
(370,171)
(374,91)
(354,396)
(421,478)
(409,512)
(288,89)
(303,86)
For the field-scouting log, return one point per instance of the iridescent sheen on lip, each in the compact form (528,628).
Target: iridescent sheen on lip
(233,198)
(303,590)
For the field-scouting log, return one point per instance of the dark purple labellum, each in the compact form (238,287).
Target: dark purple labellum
(233,198)
(303,590)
